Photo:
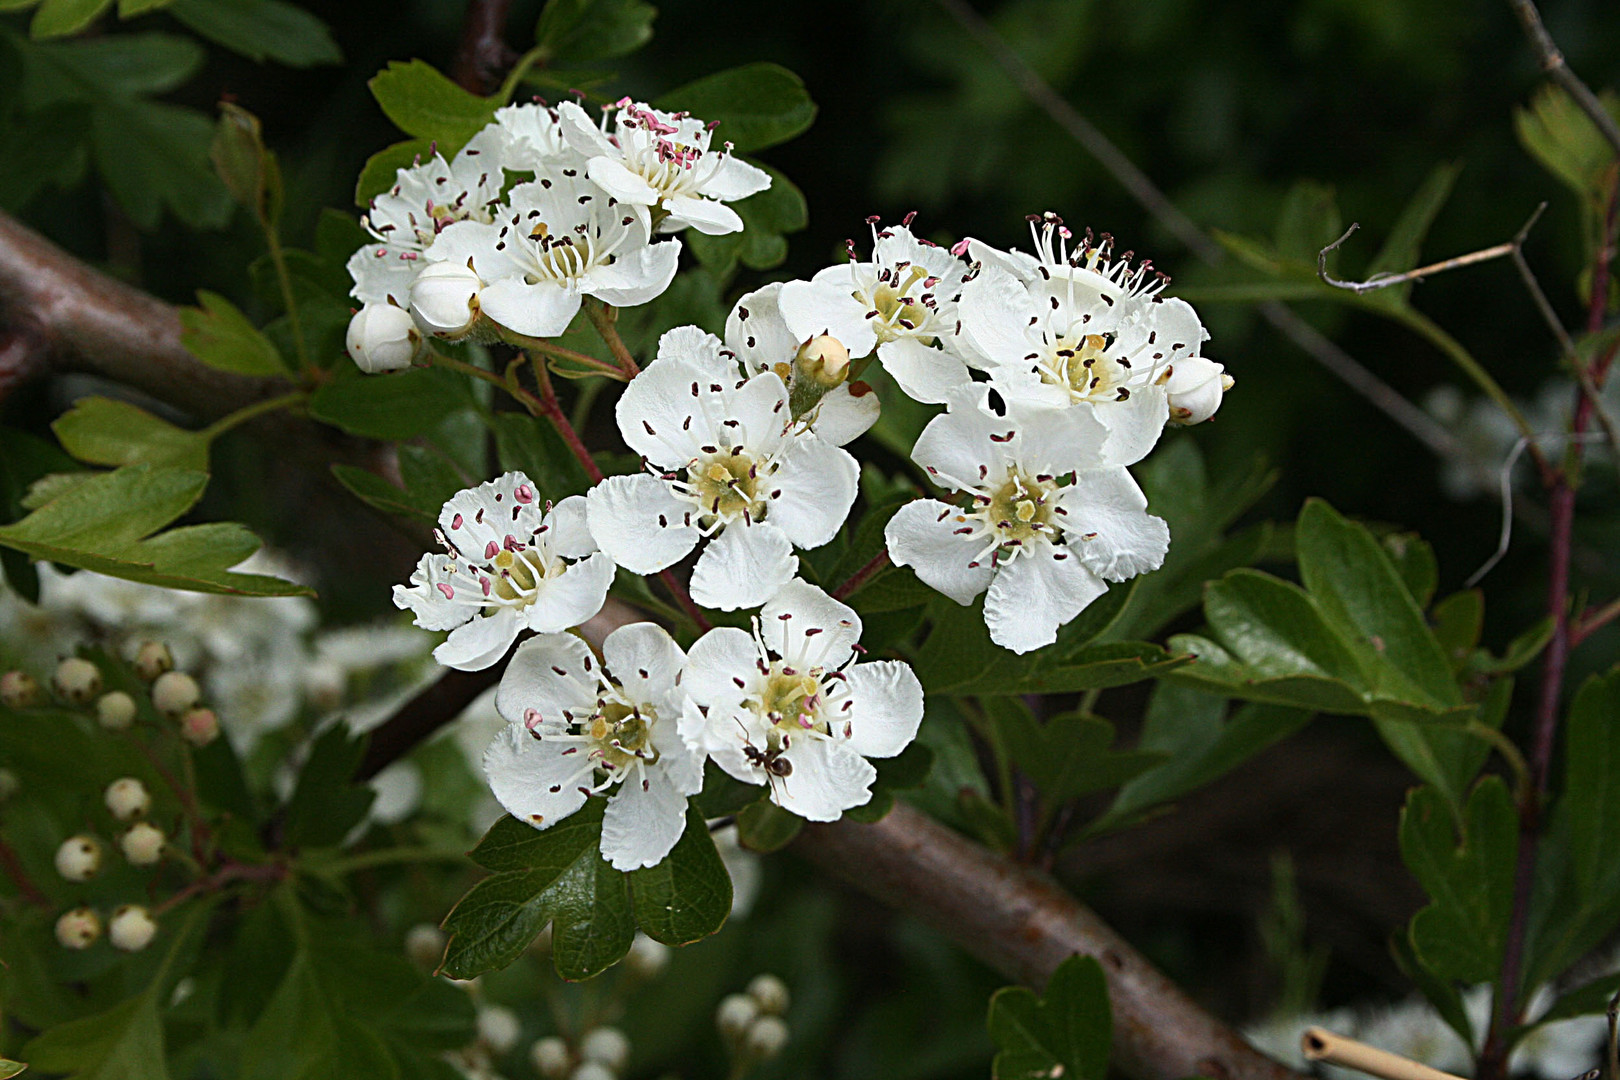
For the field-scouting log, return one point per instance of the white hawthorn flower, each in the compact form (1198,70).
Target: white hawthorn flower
(902,304)
(659,159)
(1080,329)
(426,198)
(383,337)
(579,728)
(786,705)
(509,566)
(1195,388)
(559,239)
(1045,524)
(724,464)
(534,139)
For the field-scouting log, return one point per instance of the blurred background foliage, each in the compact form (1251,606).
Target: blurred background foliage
(1226,106)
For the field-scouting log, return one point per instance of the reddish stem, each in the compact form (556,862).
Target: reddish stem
(19,877)
(859,577)
(603,318)
(483,55)
(231,871)
(188,800)
(559,420)
(684,598)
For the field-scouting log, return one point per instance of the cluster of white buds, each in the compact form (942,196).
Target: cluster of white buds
(18,690)
(127,799)
(176,696)
(498,1029)
(77,680)
(130,928)
(600,1054)
(752,1024)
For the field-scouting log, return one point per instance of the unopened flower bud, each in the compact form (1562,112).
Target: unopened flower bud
(79,858)
(77,680)
(174,693)
(199,727)
(767,1037)
(593,1070)
(18,690)
(131,928)
(824,359)
(647,957)
(8,784)
(1195,388)
(115,710)
(551,1058)
(78,929)
(608,1045)
(770,993)
(143,844)
(444,298)
(127,799)
(424,944)
(383,338)
(735,1014)
(498,1028)
(152,659)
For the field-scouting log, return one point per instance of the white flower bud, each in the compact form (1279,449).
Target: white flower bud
(770,993)
(498,1028)
(551,1057)
(383,338)
(77,680)
(444,298)
(152,659)
(131,928)
(8,784)
(18,690)
(199,727)
(143,844)
(115,710)
(608,1045)
(127,799)
(593,1070)
(767,1037)
(78,929)
(735,1014)
(647,957)
(173,693)
(79,858)
(825,358)
(1195,387)
(424,944)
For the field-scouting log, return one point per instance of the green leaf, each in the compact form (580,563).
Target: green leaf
(764,827)
(577,31)
(104,524)
(1557,132)
(382,168)
(1586,1000)
(1462,933)
(123,1043)
(261,30)
(219,335)
(723,793)
(59,18)
(246,166)
(398,405)
(1404,243)
(423,103)
(102,431)
(534,448)
(306,1031)
(1307,222)
(153,157)
(1414,561)
(687,896)
(756,105)
(1067,1032)
(327,802)
(1459,620)
(1067,756)
(1276,631)
(124,65)
(380,494)
(767,217)
(9,1068)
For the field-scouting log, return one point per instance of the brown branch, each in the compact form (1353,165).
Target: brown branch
(1552,62)
(1023,925)
(483,55)
(1514,247)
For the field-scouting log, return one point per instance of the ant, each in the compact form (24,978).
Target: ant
(775,765)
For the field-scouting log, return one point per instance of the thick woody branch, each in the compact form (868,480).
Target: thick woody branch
(1023,925)
(483,55)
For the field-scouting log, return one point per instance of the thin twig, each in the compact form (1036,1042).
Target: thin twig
(559,420)
(859,577)
(1553,63)
(13,868)
(604,319)
(1320,1044)
(220,878)
(1592,620)
(1385,280)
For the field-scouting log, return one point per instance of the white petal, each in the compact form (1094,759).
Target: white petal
(660,415)
(756,414)
(611,175)
(826,780)
(807,627)
(843,415)
(480,642)
(1058,441)
(696,346)
(743,567)
(541,310)
(812,308)
(425,600)
(888,707)
(643,821)
(922,535)
(1124,539)
(522,770)
(478,518)
(639,523)
(571,597)
(638,276)
(995,310)
(817,481)
(757,333)
(968,444)
(705,215)
(581,135)
(382,272)
(735,179)
(566,530)
(925,374)
(715,664)
(1034,595)
(645,661)
(552,674)
(1134,425)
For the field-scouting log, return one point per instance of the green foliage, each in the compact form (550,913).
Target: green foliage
(246,165)
(101,431)
(107,524)
(220,336)
(327,803)
(398,405)
(261,30)
(1557,133)
(1067,755)
(686,897)
(1066,1032)
(424,104)
(764,827)
(584,30)
(383,167)
(767,216)
(756,105)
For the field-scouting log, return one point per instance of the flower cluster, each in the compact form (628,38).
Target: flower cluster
(457,252)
